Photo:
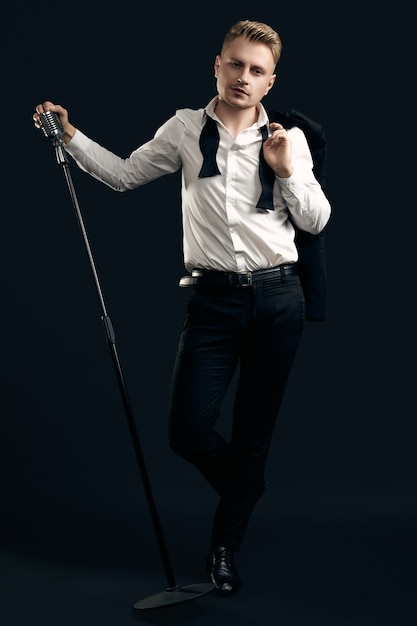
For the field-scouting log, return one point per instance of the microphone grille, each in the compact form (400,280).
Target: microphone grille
(51,124)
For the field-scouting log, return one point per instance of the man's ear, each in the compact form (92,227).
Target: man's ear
(216,65)
(271,82)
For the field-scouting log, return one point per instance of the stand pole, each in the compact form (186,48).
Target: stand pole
(173,594)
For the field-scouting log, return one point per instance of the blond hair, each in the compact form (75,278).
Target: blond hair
(257,32)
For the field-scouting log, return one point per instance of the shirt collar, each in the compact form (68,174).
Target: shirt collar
(262,115)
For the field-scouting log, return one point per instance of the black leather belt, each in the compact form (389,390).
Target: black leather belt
(236,279)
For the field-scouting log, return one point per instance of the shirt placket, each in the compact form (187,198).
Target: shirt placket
(233,221)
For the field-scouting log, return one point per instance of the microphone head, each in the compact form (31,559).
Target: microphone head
(51,125)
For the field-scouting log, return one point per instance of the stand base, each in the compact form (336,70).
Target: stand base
(174,596)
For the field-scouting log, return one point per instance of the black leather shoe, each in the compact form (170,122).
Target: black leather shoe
(222,571)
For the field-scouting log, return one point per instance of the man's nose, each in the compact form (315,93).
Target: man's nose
(243,78)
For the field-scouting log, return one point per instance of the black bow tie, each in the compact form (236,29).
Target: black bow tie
(209,142)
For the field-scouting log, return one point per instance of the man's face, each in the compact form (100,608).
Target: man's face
(244,72)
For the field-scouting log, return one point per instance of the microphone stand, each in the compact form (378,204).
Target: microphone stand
(173,594)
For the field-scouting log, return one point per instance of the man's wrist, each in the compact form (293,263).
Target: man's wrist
(284,172)
(69,133)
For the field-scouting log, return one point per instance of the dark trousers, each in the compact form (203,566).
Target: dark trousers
(257,328)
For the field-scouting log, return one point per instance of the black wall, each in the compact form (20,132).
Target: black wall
(345,442)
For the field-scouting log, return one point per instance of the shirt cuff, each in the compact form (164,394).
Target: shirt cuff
(293,184)
(78,143)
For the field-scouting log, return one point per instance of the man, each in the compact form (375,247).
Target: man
(247,306)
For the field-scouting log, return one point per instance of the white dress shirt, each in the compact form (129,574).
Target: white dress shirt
(222,228)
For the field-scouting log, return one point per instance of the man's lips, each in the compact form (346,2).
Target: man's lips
(239,90)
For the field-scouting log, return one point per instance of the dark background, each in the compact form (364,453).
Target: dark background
(333,540)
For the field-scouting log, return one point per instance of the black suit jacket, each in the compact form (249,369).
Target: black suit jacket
(311,248)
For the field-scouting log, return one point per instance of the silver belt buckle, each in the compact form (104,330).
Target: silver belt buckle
(243,279)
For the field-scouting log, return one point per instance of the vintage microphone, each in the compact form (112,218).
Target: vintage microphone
(173,594)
